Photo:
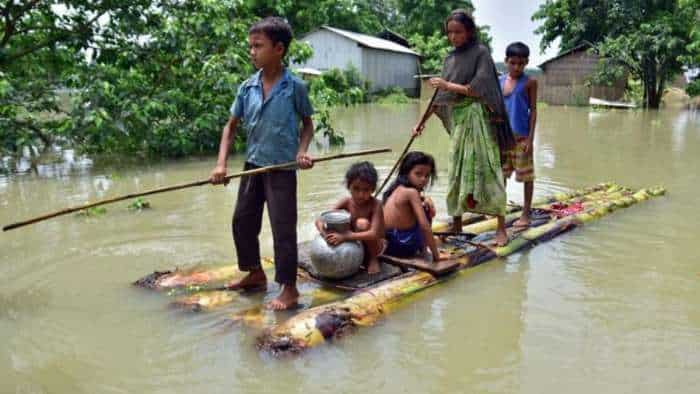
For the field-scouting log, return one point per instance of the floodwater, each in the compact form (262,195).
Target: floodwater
(613,307)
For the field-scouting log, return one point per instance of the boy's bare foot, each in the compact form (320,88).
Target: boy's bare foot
(288,298)
(501,238)
(373,267)
(524,221)
(255,280)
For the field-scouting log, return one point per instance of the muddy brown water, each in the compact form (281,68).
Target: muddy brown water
(613,307)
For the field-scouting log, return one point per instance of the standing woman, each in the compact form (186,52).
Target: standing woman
(470,105)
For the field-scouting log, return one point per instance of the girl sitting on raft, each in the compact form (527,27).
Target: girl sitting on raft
(407,215)
(366,214)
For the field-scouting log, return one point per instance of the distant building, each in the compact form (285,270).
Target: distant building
(383,63)
(565,79)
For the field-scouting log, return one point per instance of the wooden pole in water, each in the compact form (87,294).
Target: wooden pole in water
(423,119)
(289,165)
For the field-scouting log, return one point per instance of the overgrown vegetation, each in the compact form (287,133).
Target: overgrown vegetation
(391,96)
(139,204)
(91,212)
(693,88)
(333,88)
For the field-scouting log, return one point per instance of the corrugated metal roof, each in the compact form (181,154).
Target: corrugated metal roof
(308,70)
(577,48)
(371,42)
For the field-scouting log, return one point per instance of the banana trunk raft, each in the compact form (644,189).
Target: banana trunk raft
(201,288)
(331,321)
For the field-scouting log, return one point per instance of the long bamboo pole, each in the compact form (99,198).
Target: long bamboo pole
(423,119)
(288,165)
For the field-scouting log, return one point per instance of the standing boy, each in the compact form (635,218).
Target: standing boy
(270,105)
(520,96)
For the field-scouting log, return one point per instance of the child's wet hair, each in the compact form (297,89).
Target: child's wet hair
(363,171)
(464,17)
(518,49)
(409,161)
(274,28)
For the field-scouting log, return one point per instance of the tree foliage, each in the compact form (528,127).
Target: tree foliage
(41,46)
(650,39)
(157,77)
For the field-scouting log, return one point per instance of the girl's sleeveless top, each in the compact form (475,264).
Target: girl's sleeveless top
(518,106)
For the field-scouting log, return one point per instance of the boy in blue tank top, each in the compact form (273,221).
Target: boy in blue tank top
(520,96)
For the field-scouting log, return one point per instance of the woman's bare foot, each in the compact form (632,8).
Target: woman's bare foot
(523,222)
(373,267)
(255,280)
(471,202)
(288,298)
(501,237)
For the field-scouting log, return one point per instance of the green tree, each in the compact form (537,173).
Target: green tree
(364,16)
(167,93)
(423,22)
(424,17)
(40,45)
(650,39)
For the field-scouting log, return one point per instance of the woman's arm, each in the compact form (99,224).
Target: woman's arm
(464,90)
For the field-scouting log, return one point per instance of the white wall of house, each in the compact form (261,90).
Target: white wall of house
(387,69)
(382,68)
(332,50)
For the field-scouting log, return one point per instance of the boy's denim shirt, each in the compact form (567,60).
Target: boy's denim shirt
(272,126)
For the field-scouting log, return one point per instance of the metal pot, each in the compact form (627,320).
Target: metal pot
(336,220)
(336,262)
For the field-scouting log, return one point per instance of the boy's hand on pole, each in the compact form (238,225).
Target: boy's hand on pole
(304,161)
(218,176)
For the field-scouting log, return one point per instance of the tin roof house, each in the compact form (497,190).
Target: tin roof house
(385,64)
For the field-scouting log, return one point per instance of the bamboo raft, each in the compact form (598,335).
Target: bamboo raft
(330,311)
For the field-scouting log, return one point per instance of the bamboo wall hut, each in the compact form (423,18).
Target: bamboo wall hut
(565,79)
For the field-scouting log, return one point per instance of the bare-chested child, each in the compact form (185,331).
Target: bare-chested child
(366,214)
(407,214)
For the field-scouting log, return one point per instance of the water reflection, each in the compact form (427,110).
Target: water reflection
(613,303)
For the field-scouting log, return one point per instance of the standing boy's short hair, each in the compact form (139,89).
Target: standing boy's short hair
(518,49)
(363,171)
(276,29)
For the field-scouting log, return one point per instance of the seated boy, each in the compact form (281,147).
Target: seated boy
(366,214)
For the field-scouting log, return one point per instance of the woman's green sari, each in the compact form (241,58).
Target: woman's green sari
(475,163)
